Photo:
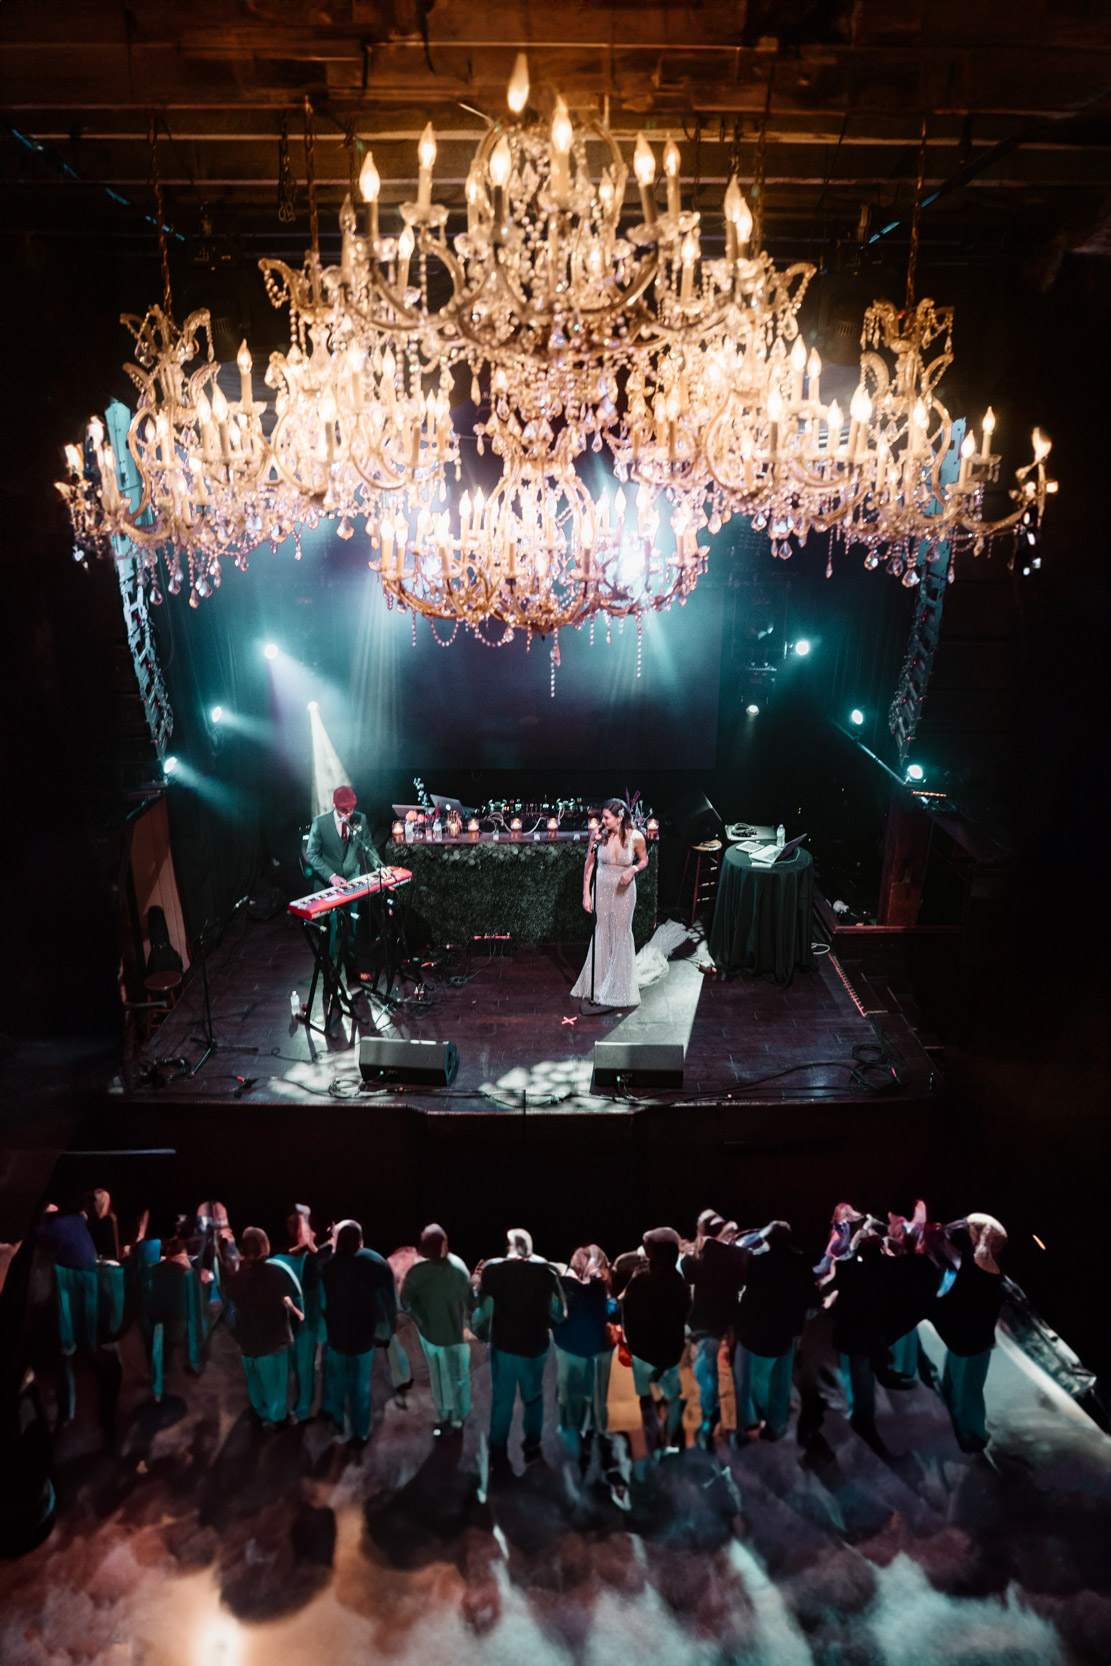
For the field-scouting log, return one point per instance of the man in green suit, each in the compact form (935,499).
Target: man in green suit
(339,847)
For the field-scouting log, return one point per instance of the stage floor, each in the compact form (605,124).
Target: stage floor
(522,1044)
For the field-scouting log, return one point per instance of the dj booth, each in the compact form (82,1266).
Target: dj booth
(524,888)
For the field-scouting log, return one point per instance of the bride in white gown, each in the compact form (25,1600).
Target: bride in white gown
(618,853)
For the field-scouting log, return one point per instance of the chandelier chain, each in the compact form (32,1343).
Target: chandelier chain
(310,179)
(760,167)
(160,218)
(287,188)
(916,218)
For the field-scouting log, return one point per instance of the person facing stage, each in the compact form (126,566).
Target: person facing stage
(617,854)
(339,848)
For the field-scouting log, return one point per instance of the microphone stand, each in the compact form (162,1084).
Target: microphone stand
(593,916)
(210,933)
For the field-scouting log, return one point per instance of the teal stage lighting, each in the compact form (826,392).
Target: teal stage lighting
(856,716)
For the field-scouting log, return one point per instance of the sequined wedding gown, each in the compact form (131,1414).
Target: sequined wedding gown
(615,975)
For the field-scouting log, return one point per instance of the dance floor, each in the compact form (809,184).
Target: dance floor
(203,1541)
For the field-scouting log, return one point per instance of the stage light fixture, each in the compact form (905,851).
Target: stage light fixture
(170,765)
(856,716)
(313,706)
(802,647)
(753,710)
(915,772)
(217,713)
(271,650)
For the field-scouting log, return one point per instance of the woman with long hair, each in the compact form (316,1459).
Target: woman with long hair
(584,1349)
(617,854)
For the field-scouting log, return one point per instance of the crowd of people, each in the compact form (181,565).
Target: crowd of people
(310,1314)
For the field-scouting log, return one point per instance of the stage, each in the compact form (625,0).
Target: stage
(523,1047)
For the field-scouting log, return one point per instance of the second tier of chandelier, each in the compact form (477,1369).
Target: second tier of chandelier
(576,336)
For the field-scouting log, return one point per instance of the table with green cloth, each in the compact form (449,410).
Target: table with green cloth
(531,889)
(762,916)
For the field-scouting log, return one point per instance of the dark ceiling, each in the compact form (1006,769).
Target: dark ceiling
(1015,99)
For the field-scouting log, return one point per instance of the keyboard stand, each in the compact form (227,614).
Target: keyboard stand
(328,970)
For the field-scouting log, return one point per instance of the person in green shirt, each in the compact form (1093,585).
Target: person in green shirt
(437,1293)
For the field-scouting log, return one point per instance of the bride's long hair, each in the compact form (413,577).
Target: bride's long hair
(618,807)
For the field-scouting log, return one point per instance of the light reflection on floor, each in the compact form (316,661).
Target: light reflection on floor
(206,1543)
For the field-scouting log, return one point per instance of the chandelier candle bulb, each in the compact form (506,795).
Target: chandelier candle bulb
(370,184)
(671,169)
(501,165)
(108,487)
(834,420)
(813,376)
(644,166)
(243,360)
(73,461)
(562,135)
(968,451)
(986,437)
(426,155)
(208,433)
(405,246)
(798,366)
(220,413)
(775,415)
(881,466)
(517,93)
(328,418)
(688,254)
(471,192)
(464,518)
(860,409)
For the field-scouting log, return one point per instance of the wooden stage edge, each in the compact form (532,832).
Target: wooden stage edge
(525,1053)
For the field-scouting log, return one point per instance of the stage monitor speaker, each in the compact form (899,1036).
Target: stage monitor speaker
(695,819)
(386,1059)
(644,1064)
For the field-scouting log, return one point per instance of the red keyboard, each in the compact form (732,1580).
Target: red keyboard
(362,885)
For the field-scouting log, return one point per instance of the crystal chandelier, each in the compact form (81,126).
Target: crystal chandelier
(576,335)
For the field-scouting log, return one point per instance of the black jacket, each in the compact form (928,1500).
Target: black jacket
(327,854)
(777,1293)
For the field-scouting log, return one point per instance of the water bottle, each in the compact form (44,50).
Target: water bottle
(294,1004)
(780,836)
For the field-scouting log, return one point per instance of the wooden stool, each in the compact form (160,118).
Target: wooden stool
(162,987)
(707,867)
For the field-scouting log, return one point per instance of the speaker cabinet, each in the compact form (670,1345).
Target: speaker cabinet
(388,1059)
(644,1064)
